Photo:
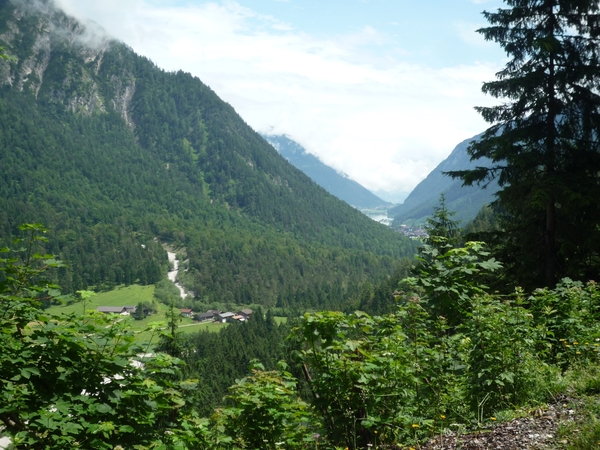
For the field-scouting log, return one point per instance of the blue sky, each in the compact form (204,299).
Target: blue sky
(382,90)
(426,31)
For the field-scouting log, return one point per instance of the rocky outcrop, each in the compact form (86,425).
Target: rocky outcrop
(59,39)
(125,89)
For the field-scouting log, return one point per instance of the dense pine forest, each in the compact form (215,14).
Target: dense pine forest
(119,159)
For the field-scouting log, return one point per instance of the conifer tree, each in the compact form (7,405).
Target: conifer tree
(443,232)
(543,141)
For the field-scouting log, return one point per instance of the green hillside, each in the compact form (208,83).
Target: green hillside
(118,157)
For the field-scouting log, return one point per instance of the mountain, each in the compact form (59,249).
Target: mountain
(465,200)
(118,157)
(329,179)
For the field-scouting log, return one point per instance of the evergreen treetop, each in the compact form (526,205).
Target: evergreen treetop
(543,141)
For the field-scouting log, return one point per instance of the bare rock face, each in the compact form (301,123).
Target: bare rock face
(125,88)
(41,69)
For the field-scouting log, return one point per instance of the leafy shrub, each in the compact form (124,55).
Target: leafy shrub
(448,278)
(68,382)
(505,369)
(571,313)
(358,370)
(266,412)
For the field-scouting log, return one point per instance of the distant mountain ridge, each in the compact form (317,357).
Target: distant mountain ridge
(465,200)
(328,178)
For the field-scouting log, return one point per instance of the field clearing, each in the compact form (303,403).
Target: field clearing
(186,327)
(120,296)
(132,295)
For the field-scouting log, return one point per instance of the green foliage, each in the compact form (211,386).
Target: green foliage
(505,369)
(441,229)
(5,56)
(357,369)
(483,226)
(219,359)
(170,339)
(450,277)
(143,309)
(401,373)
(265,412)
(384,379)
(436,360)
(570,313)
(378,299)
(166,292)
(67,382)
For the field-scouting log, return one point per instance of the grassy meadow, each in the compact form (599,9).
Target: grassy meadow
(132,295)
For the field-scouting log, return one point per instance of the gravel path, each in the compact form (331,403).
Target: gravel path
(536,432)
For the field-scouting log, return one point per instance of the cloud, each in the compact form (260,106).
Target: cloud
(350,99)
(91,35)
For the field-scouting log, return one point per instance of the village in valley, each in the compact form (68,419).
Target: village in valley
(212,315)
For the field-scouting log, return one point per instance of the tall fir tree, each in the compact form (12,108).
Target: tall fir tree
(544,138)
(443,232)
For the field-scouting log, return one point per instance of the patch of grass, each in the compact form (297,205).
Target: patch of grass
(132,295)
(279,320)
(186,327)
(120,296)
(584,379)
(583,433)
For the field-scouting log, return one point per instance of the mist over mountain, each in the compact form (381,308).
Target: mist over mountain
(466,201)
(395,197)
(117,157)
(328,178)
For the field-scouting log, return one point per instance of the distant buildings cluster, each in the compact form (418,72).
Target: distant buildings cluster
(212,315)
(413,233)
(215,315)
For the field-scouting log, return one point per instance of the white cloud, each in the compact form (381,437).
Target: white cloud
(382,121)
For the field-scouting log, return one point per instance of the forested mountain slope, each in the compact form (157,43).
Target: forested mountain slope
(115,155)
(335,183)
(465,200)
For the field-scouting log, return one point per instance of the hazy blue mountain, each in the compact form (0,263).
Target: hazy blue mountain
(328,178)
(466,201)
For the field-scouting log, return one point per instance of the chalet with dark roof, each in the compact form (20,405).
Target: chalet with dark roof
(246,313)
(122,310)
(204,317)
